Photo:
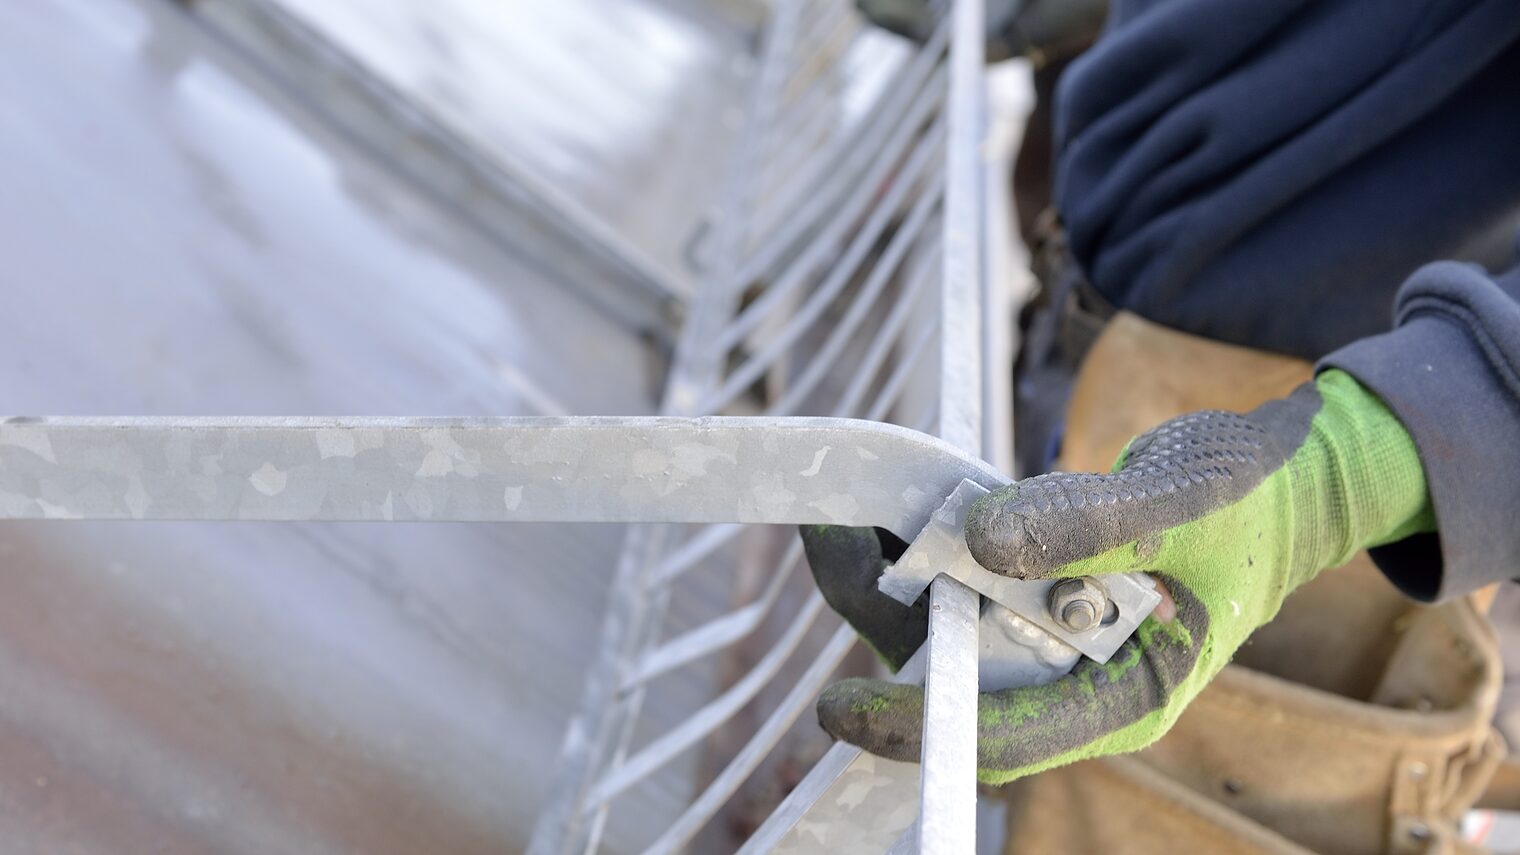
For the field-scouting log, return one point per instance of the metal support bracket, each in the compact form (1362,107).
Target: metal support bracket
(941,548)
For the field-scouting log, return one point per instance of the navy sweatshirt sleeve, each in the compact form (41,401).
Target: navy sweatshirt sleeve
(1267,172)
(1450,370)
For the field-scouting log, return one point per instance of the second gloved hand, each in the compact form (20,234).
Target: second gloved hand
(1230,512)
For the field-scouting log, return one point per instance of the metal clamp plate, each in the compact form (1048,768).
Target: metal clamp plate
(941,548)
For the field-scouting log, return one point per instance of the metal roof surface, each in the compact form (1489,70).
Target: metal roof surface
(182,238)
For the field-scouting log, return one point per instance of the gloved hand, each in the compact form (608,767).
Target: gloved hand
(846,562)
(1014,27)
(1230,512)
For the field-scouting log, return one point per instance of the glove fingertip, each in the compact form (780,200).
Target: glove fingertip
(1044,527)
(998,537)
(880,717)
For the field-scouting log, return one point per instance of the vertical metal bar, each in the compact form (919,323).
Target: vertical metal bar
(960,316)
(947,812)
(947,797)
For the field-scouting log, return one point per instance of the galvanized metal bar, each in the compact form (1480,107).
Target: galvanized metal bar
(145,457)
(947,798)
(585,736)
(858,249)
(694,550)
(712,715)
(961,387)
(809,193)
(908,361)
(947,813)
(766,736)
(719,632)
(845,215)
(882,342)
(843,331)
(578,469)
(696,365)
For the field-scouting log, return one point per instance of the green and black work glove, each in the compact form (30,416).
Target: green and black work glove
(1230,512)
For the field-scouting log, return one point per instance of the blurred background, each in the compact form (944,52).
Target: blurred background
(453,207)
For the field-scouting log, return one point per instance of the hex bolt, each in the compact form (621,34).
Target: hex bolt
(1078,615)
(1077,605)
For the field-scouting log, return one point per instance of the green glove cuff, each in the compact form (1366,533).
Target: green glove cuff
(1357,480)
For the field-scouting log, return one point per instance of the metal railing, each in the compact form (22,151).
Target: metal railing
(840,332)
(832,293)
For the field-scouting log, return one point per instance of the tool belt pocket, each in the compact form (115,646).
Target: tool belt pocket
(1356,722)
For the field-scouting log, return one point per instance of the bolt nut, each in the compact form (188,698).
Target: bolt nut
(1078,605)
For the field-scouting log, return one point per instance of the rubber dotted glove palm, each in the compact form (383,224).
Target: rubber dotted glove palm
(1230,512)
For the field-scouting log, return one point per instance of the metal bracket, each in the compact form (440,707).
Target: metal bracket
(941,548)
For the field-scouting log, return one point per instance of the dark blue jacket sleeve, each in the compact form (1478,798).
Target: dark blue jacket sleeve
(1266,172)
(1450,370)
